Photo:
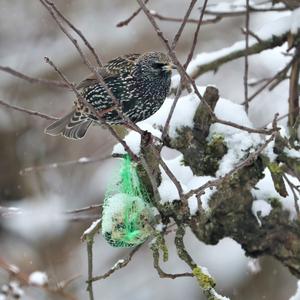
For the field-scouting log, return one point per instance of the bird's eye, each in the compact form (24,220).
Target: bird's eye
(158,65)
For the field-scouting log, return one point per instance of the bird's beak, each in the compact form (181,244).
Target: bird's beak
(169,67)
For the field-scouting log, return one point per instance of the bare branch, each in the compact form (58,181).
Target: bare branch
(184,21)
(48,82)
(80,161)
(192,21)
(294,91)
(88,45)
(190,56)
(246,58)
(27,111)
(128,20)
(64,78)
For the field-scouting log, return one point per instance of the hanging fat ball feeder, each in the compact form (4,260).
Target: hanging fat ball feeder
(127,218)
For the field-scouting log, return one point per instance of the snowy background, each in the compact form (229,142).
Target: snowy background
(42,237)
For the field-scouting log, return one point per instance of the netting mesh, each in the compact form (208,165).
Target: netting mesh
(127,216)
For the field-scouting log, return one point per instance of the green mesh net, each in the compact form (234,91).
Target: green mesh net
(127,216)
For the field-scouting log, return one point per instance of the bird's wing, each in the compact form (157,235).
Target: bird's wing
(112,69)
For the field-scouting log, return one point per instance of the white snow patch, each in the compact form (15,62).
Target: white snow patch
(193,205)
(261,209)
(183,114)
(239,142)
(133,139)
(159,227)
(38,278)
(198,181)
(254,265)
(297,294)
(83,159)
(181,172)
(291,153)
(265,190)
(168,191)
(218,296)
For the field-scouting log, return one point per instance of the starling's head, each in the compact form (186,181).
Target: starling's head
(155,64)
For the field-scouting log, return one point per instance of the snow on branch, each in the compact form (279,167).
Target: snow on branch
(270,36)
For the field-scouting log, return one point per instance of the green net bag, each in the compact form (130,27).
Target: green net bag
(127,216)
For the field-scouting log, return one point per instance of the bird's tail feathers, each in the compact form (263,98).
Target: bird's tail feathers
(73,126)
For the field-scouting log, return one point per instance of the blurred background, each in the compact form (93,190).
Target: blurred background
(43,237)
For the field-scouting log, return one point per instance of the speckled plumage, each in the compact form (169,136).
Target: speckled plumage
(140,82)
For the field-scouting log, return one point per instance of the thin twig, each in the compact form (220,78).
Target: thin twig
(253,34)
(182,25)
(192,21)
(190,56)
(88,45)
(84,209)
(171,112)
(89,246)
(80,161)
(122,263)
(64,78)
(295,189)
(278,77)
(128,20)
(246,58)
(28,111)
(48,82)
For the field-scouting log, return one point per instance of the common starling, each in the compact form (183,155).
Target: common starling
(140,83)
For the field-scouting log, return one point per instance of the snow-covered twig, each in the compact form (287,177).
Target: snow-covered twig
(227,9)
(248,161)
(121,263)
